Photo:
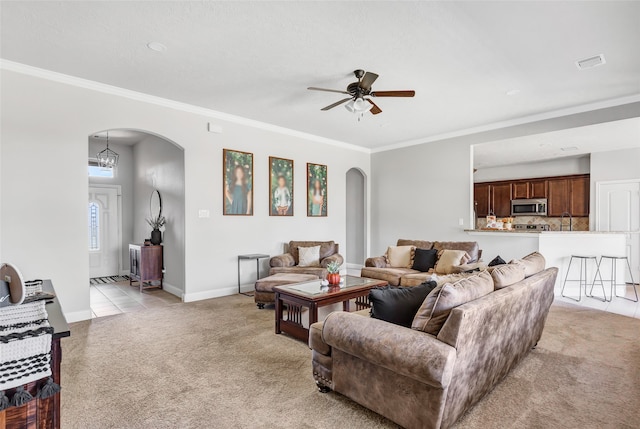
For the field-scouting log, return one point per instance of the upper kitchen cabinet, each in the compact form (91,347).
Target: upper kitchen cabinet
(537,189)
(492,198)
(568,195)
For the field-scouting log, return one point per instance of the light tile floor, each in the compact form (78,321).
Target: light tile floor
(617,305)
(117,298)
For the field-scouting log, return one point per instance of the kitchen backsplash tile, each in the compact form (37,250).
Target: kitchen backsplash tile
(579,223)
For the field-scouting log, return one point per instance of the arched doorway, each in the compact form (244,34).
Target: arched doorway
(356,221)
(147,162)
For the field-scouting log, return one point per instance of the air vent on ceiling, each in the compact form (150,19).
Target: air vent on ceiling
(591,62)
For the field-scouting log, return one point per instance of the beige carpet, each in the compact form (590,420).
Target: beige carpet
(218,364)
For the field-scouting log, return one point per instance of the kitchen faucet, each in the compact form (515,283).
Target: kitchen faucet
(570,221)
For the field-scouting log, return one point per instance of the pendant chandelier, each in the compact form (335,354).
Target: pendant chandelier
(107,158)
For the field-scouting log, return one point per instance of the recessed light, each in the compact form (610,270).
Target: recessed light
(569,148)
(591,62)
(513,92)
(156,46)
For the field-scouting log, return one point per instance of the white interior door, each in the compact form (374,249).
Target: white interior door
(104,234)
(619,210)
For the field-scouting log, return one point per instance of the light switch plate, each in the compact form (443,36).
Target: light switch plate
(203,213)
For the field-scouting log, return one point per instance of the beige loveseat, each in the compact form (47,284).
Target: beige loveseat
(288,262)
(425,381)
(378,268)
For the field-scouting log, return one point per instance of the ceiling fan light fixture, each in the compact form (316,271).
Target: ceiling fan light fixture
(358,105)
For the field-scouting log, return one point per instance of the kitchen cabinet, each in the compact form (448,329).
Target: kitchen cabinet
(538,189)
(520,190)
(492,199)
(501,199)
(569,195)
(565,194)
(579,193)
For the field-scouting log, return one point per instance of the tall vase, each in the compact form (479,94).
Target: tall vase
(156,237)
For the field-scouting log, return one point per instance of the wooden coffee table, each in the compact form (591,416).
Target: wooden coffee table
(313,296)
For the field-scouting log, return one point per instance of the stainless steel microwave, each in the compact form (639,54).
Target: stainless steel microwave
(530,207)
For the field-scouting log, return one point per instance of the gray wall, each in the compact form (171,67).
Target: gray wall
(124,177)
(553,167)
(423,191)
(159,164)
(356,224)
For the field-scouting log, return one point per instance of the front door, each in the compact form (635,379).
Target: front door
(104,234)
(619,210)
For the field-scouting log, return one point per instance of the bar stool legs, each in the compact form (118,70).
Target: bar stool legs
(582,281)
(613,279)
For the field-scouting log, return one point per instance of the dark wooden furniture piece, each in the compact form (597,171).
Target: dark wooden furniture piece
(146,266)
(313,296)
(41,413)
(249,257)
(565,194)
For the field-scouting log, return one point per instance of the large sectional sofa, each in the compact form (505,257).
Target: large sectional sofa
(379,268)
(426,381)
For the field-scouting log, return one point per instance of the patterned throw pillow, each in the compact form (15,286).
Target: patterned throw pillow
(309,256)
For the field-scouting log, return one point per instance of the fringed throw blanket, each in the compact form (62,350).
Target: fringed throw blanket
(25,344)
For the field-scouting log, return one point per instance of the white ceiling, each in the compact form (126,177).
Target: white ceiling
(255,59)
(624,134)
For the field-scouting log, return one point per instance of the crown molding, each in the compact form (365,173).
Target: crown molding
(164,102)
(514,122)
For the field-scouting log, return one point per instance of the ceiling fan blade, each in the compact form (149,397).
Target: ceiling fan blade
(393,93)
(367,80)
(337,103)
(375,109)
(313,88)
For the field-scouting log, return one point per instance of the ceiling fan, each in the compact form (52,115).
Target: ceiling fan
(360,93)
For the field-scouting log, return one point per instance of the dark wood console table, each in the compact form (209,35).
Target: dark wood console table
(41,413)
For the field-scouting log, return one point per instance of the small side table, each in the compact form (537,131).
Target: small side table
(257,257)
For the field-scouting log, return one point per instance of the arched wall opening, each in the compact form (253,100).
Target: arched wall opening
(147,162)
(356,218)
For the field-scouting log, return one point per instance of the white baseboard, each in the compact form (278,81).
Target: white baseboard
(77,316)
(208,294)
(173,290)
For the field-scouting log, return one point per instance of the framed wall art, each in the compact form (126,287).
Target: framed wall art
(280,186)
(237,182)
(316,190)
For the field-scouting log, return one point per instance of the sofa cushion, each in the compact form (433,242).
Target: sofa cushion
(319,272)
(327,248)
(418,244)
(391,275)
(400,256)
(309,256)
(398,305)
(449,259)
(435,309)
(266,284)
(506,275)
(424,259)
(415,279)
(533,263)
(471,247)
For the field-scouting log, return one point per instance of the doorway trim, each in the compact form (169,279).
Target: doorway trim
(118,189)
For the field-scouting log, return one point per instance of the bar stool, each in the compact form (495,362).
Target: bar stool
(583,278)
(614,277)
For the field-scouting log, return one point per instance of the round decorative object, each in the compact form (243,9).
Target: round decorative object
(156,237)
(10,274)
(334,279)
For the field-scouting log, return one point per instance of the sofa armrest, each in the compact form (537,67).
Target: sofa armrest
(285,260)
(335,257)
(411,353)
(377,262)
